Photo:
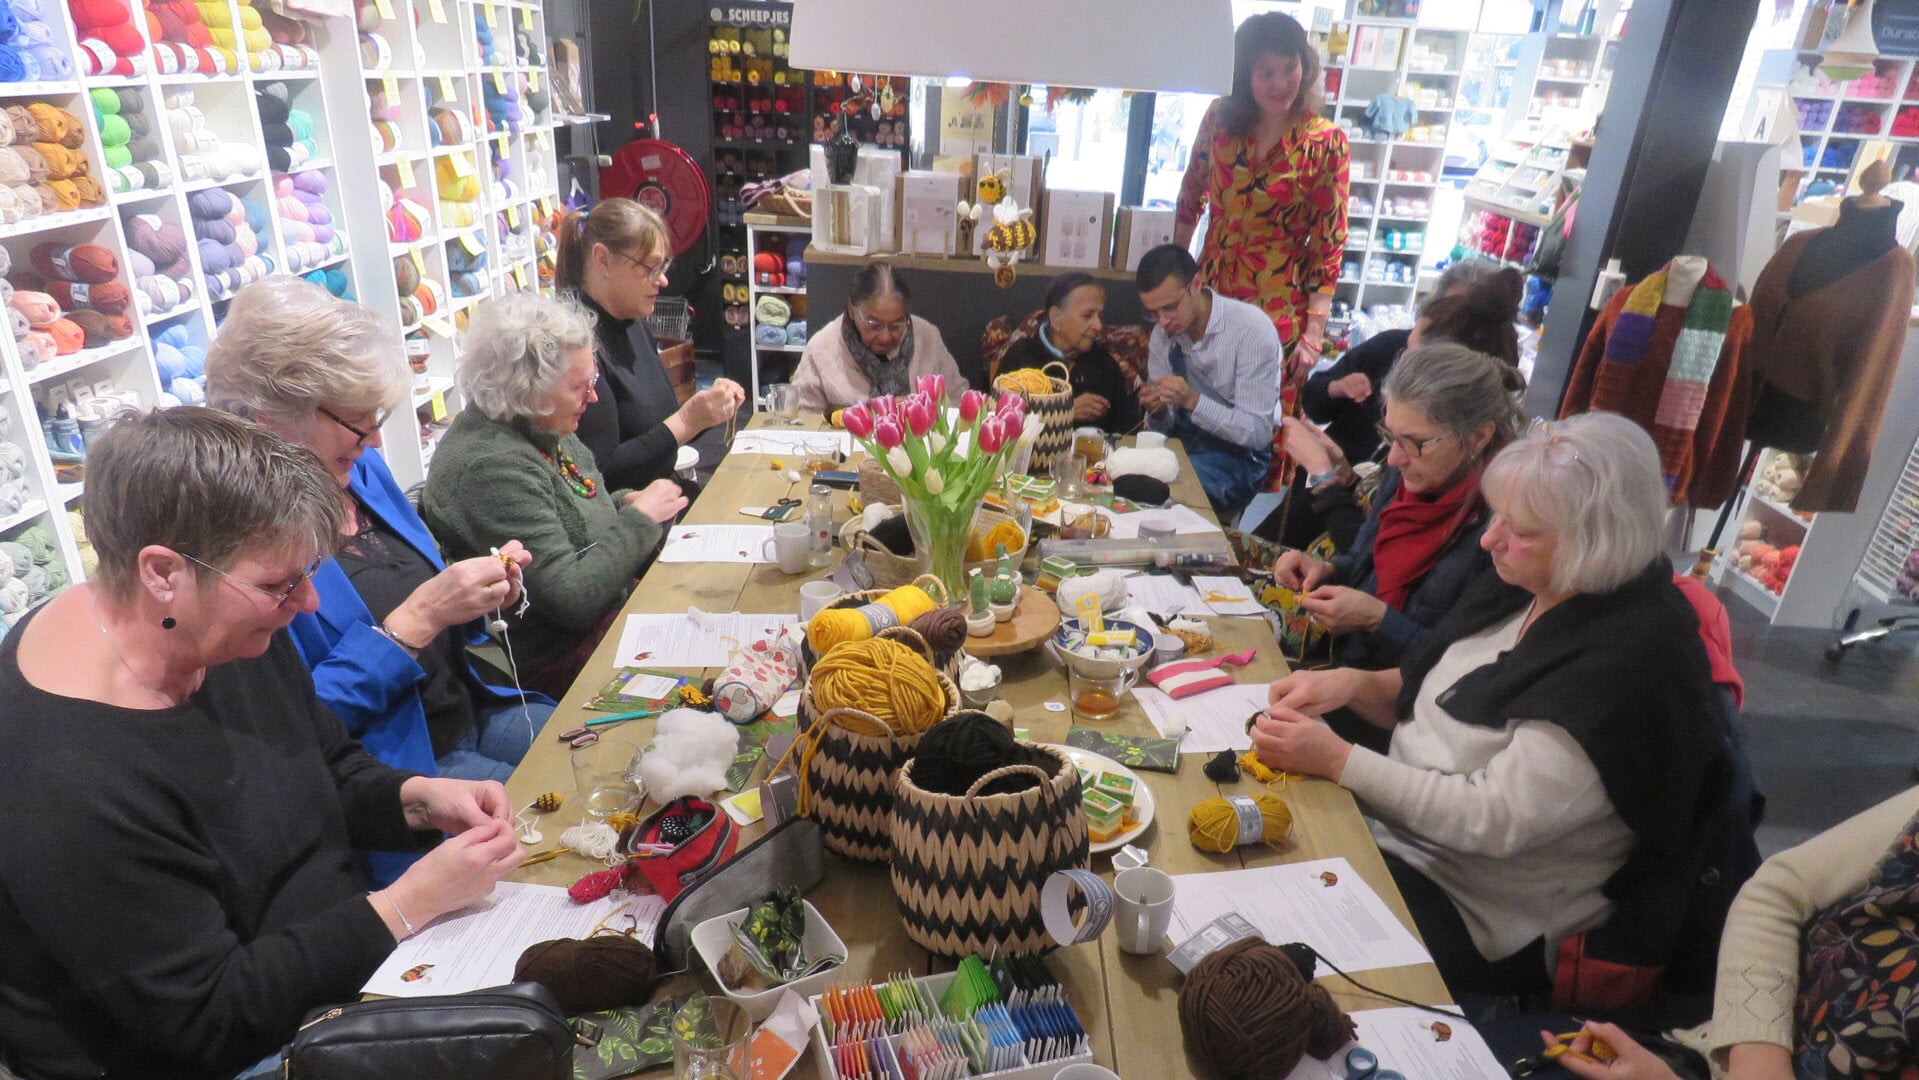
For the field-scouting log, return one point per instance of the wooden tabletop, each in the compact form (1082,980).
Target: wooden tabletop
(1128,1003)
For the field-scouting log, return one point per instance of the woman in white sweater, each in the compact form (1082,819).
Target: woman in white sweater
(1551,741)
(1802,963)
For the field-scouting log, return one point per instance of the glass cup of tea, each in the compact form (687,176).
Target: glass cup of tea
(710,1039)
(1097,697)
(1078,521)
(1090,443)
(783,400)
(603,773)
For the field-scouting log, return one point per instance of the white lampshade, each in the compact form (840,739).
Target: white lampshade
(1851,55)
(1122,44)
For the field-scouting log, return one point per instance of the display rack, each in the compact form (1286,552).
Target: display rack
(1564,73)
(1838,120)
(1763,578)
(775,362)
(197,128)
(1512,197)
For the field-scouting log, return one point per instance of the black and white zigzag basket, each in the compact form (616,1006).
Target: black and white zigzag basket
(968,870)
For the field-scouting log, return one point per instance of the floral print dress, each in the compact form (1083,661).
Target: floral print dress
(1277,230)
(1857,1011)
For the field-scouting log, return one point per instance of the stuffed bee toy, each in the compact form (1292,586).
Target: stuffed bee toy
(1011,234)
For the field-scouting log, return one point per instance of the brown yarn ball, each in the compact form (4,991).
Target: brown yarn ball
(943,628)
(1247,1012)
(606,971)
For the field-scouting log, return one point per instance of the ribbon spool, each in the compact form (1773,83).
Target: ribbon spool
(1055,901)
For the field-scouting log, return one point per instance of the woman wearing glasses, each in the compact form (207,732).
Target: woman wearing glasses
(1558,764)
(1448,410)
(876,347)
(613,260)
(160,742)
(387,643)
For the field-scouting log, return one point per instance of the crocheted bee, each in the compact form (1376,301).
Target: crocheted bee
(1006,242)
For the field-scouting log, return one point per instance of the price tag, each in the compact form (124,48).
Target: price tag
(491,13)
(499,80)
(438,325)
(519,276)
(385,8)
(461,166)
(447,96)
(436,405)
(533,80)
(390,86)
(436,11)
(512,217)
(472,243)
(407,179)
(419,264)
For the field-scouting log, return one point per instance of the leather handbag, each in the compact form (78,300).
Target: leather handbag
(513,1032)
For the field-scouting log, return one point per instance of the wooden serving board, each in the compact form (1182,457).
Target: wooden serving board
(1033,621)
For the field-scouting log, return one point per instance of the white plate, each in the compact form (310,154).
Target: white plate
(1142,794)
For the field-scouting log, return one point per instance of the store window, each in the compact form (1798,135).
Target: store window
(1083,136)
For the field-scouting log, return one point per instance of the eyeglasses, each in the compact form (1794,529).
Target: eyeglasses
(1408,445)
(652,270)
(360,437)
(279,595)
(1560,450)
(874,326)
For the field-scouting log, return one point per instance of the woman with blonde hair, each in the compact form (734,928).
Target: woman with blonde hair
(613,259)
(511,467)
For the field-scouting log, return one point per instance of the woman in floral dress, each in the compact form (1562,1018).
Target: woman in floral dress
(1273,174)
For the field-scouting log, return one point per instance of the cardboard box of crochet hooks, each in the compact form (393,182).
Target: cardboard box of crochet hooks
(936,986)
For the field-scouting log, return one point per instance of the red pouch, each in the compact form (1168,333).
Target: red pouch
(712,840)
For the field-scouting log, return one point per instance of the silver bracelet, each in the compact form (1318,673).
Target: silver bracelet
(398,640)
(396,910)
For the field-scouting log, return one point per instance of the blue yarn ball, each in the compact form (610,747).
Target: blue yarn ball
(171,363)
(13,65)
(188,391)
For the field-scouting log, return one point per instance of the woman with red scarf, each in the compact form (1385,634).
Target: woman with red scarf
(1449,409)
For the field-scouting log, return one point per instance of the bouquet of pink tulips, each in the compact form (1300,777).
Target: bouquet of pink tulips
(943,460)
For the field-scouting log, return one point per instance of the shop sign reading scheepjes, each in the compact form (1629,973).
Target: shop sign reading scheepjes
(770,14)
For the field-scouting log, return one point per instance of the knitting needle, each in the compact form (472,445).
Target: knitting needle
(543,856)
(618,717)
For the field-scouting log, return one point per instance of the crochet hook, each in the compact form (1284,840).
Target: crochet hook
(618,717)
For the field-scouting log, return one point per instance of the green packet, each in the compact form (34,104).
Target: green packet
(632,1040)
(1156,755)
(635,689)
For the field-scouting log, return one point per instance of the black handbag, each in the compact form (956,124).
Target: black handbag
(513,1032)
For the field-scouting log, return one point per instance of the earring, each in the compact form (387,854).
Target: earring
(168,623)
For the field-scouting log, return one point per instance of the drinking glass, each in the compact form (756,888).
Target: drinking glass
(710,1037)
(784,401)
(602,771)
(1095,697)
(1071,473)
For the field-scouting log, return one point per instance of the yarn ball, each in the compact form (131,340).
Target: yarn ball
(39,308)
(67,336)
(837,626)
(108,297)
(895,535)
(943,628)
(606,971)
(188,391)
(1157,462)
(1142,489)
(407,274)
(1214,823)
(97,329)
(882,678)
(157,238)
(210,204)
(170,361)
(956,752)
(1248,1011)
(88,263)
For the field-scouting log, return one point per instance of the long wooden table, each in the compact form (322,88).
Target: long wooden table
(1128,1003)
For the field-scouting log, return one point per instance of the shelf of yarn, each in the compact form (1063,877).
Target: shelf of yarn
(159,262)
(213,134)
(49,174)
(227,230)
(111,42)
(305,218)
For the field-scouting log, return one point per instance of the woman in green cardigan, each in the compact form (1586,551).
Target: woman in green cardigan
(511,467)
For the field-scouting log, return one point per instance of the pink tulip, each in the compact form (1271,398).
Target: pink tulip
(934,387)
(917,411)
(888,433)
(992,435)
(859,421)
(1011,408)
(885,405)
(971,402)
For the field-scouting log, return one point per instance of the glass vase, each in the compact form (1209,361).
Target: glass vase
(939,534)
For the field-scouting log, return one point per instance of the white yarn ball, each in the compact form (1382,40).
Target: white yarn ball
(1108,585)
(1161,464)
(13,596)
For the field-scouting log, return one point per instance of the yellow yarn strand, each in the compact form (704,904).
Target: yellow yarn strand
(1250,764)
(882,677)
(1214,825)
(834,627)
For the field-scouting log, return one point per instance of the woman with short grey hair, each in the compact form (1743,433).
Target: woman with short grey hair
(388,644)
(1554,741)
(160,739)
(1447,412)
(511,466)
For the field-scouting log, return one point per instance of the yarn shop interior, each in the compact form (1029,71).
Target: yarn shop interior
(872,541)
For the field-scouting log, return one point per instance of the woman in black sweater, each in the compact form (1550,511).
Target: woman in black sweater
(1102,395)
(179,888)
(614,259)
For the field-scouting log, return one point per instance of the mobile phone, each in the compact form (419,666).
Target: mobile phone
(839,478)
(770,513)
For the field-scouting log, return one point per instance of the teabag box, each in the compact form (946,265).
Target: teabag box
(1139,231)
(1079,228)
(929,212)
(847,218)
(880,168)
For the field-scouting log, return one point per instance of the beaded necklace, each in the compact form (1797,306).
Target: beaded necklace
(581,484)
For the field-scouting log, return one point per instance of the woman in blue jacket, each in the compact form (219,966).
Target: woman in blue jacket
(388,644)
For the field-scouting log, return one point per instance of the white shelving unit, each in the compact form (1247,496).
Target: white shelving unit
(506,225)
(781,359)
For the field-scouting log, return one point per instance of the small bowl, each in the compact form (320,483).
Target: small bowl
(979,699)
(1095,668)
(714,936)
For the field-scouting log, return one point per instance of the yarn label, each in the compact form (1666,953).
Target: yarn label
(385,8)
(1252,827)
(436,11)
(407,179)
(447,95)
(78,292)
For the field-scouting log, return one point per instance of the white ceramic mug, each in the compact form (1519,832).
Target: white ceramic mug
(1085,1071)
(1145,909)
(1149,440)
(814,596)
(790,545)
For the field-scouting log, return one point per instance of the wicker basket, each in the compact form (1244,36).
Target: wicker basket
(846,779)
(890,571)
(1055,411)
(875,485)
(968,870)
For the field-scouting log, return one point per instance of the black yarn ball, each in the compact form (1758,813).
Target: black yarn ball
(1142,489)
(955,753)
(1223,767)
(894,535)
(606,971)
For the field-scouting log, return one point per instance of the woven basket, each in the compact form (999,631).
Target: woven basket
(968,870)
(1055,411)
(946,664)
(890,571)
(846,780)
(876,485)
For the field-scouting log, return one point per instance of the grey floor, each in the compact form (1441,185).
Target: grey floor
(1827,740)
